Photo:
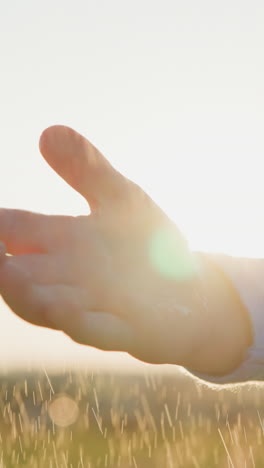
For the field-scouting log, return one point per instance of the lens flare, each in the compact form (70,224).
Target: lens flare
(170,256)
(63,410)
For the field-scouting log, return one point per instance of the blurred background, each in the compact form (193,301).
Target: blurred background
(171,92)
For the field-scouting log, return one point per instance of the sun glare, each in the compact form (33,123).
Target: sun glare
(170,255)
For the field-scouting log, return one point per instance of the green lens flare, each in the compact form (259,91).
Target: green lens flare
(170,256)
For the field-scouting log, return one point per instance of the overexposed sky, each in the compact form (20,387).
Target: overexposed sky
(171,92)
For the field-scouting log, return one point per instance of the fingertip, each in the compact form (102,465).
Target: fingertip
(44,138)
(50,133)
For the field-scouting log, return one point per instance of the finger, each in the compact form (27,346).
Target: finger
(38,304)
(63,308)
(104,331)
(39,268)
(98,329)
(17,291)
(26,232)
(81,165)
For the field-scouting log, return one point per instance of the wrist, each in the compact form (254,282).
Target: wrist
(227,330)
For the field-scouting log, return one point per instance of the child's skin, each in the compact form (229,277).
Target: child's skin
(94,277)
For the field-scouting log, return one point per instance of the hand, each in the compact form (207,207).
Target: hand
(121,278)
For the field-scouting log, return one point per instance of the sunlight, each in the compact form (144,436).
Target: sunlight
(176,108)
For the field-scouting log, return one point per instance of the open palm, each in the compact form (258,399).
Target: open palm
(106,279)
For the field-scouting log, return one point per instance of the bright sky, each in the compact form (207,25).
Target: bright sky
(171,92)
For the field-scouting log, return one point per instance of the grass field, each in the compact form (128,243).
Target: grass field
(82,419)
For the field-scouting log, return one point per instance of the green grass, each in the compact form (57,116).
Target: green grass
(125,420)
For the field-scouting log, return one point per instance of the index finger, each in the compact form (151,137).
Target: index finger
(27,232)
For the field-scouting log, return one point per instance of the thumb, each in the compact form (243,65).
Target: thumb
(81,165)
